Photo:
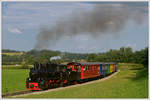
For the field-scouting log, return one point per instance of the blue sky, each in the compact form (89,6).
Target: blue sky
(21,22)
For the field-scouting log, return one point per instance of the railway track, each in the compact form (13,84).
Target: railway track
(16,93)
(27,92)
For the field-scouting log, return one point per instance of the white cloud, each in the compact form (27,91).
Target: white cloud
(38,13)
(29,16)
(14,30)
(132,45)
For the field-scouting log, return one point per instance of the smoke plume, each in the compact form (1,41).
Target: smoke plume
(102,19)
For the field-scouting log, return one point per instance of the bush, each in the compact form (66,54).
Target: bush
(25,66)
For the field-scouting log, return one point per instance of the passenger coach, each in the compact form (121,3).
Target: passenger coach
(88,70)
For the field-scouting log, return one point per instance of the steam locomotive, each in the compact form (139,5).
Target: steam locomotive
(50,75)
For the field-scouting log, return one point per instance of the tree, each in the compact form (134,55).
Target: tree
(30,59)
(141,57)
(91,57)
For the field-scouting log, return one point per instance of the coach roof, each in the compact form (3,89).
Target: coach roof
(96,63)
(90,63)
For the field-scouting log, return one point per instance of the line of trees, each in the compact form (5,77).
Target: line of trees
(10,51)
(11,59)
(32,56)
(123,55)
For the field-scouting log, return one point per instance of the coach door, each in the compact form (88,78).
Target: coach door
(101,69)
(79,68)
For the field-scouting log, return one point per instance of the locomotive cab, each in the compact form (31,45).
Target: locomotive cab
(74,70)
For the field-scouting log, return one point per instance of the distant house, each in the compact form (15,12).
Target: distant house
(82,60)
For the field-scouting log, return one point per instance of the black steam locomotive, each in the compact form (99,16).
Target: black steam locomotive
(48,75)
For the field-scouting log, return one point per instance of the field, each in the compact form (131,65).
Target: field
(130,82)
(14,66)
(14,79)
(12,54)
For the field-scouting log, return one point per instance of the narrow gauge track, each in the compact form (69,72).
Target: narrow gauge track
(27,92)
(16,93)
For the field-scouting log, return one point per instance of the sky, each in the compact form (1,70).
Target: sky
(22,21)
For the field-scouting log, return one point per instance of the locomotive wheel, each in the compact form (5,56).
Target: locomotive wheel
(65,84)
(61,84)
(51,85)
(43,85)
(55,85)
(75,82)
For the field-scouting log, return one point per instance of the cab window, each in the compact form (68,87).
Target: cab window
(78,68)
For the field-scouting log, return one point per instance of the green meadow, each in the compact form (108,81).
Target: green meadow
(130,82)
(14,80)
(126,84)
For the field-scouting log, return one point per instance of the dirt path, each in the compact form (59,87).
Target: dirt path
(60,88)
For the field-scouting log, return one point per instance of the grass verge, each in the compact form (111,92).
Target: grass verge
(14,80)
(123,85)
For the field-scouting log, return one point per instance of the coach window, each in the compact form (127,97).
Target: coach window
(93,68)
(90,68)
(83,68)
(86,68)
(75,67)
(79,68)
